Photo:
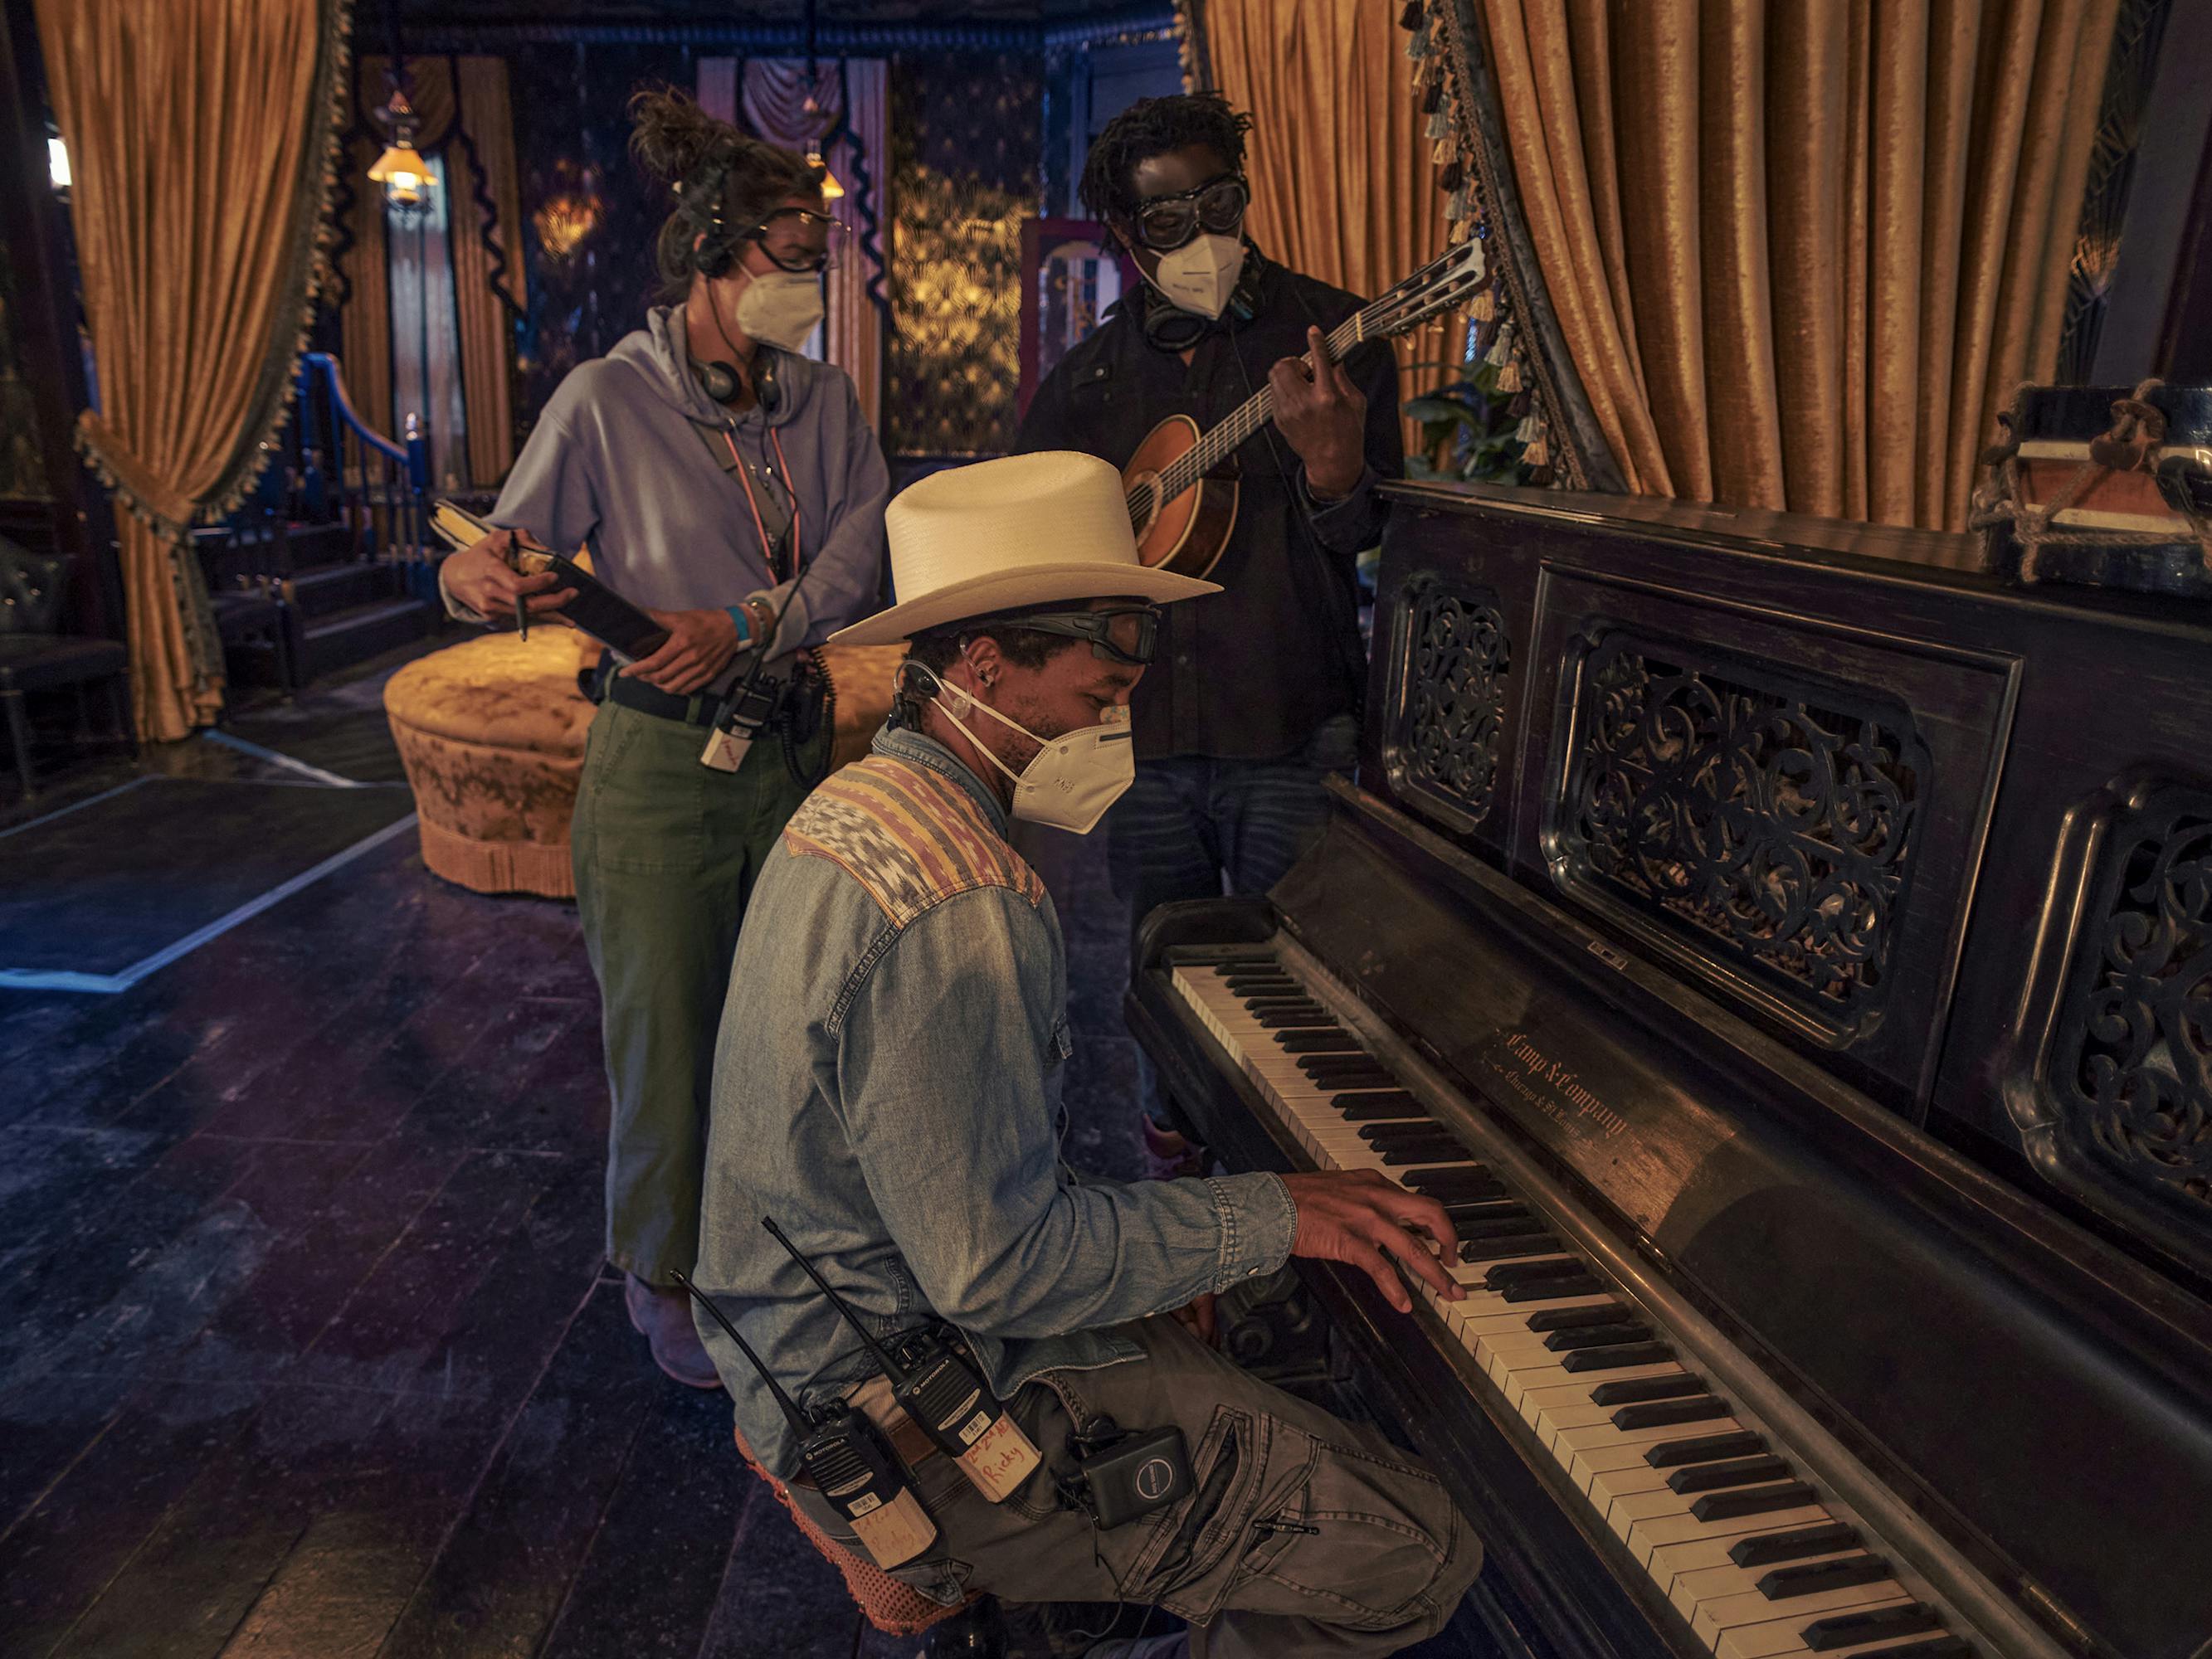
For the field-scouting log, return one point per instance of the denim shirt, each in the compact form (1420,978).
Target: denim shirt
(887,1086)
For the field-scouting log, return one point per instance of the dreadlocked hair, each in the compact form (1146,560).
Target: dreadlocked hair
(938,648)
(726,182)
(1153,126)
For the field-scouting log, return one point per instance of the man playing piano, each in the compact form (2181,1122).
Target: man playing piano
(887,1089)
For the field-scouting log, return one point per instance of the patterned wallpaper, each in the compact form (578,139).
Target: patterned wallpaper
(22,472)
(965,142)
(590,212)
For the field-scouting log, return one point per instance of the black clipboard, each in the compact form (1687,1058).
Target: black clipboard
(597,610)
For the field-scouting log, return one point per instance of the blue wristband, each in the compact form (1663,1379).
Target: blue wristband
(744,622)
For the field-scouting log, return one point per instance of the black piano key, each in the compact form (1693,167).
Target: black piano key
(1811,1577)
(1617,1359)
(1634,1390)
(1264,1000)
(1345,1080)
(1291,1020)
(1469,1228)
(1529,1273)
(1752,1500)
(1349,1065)
(1508,1249)
(1730,1471)
(1316,1042)
(1549,1289)
(1767,1549)
(1375,1134)
(1461,1183)
(1407,1153)
(1575,1338)
(1560,1319)
(1664,1413)
(1377,1104)
(1942,1647)
(1843,1630)
(1707,1448)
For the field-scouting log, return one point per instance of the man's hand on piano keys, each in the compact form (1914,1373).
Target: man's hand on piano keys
(1367,1221)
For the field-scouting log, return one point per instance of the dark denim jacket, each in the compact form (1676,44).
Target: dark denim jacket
(887,1086)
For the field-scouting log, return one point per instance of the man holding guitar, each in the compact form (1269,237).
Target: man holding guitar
(1255,692)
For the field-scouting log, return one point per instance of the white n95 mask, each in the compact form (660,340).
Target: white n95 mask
(781,309)
(1074,777)
(1199,276)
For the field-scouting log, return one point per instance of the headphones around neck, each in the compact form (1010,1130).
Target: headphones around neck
(1168,327)
(720,380)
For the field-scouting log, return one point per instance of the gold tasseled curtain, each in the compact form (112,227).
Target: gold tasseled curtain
(464,113)
(1802,253)
(199,135)
(1343,188)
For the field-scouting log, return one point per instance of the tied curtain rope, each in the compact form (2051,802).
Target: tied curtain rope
(1801,254)
(200,145)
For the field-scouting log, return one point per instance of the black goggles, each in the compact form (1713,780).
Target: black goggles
(782,237)
(1125,633)
(1164,223)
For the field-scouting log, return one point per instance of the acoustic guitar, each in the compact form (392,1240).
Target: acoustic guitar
(1181,516)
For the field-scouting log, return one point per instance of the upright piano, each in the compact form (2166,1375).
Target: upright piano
(1788,951)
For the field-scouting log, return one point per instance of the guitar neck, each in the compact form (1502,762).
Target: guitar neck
(1254,412)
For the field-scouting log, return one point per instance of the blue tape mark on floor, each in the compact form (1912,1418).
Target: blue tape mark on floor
(74,806)
(230,740)
(21,979)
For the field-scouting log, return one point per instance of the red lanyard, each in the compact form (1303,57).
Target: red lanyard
(791,488)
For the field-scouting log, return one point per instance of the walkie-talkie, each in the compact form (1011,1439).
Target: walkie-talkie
(850,1462)
(935,1385)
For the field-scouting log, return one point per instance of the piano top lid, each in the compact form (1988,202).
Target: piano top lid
(1743,529)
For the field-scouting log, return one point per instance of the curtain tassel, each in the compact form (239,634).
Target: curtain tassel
(1411,17)
(1432,97)
(1419,45)
(1483,307)
(1500,354)
(1440,124)
(1509,376)
(1456,204)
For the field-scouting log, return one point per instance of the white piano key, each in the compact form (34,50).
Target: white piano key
(1661,1530)
(1753,1611)
(1689,1587)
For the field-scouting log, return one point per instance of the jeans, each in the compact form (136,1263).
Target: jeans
(667,852)
(1193,828)
(1303,1535)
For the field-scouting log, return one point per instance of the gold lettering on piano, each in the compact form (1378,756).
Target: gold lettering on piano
(1552,1088)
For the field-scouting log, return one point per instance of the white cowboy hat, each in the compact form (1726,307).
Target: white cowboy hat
(1024,529)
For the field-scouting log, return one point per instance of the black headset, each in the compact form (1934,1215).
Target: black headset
(720,380)
(1166,327)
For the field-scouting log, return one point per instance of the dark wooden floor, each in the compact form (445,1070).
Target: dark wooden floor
(307,1343)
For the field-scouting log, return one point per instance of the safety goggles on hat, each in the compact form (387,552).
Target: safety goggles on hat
(1123,634)
(1215,208)
(783,237)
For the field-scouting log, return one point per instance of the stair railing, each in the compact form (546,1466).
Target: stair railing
(348,470)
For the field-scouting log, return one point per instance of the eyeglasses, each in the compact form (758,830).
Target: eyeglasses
(786,237)
(1166,222)
(1125,633)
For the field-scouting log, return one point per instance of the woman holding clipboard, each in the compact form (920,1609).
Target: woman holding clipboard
(707,465)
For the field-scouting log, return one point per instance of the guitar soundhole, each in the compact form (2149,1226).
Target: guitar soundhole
(1143,504)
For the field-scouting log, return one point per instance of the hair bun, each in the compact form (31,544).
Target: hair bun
(673,136)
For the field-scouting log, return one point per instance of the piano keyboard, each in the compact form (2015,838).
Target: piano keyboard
(1739,1545)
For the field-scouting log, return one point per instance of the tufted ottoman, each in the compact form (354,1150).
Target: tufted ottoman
(491,732)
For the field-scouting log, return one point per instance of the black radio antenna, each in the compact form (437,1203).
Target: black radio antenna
(892,1369)
(797,1419)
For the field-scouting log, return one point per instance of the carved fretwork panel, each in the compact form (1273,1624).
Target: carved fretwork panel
(1767,826)
(2131,1063)
(1453,668)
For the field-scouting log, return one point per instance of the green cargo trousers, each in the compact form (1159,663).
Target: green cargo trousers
(1303,1537)
(667,852)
